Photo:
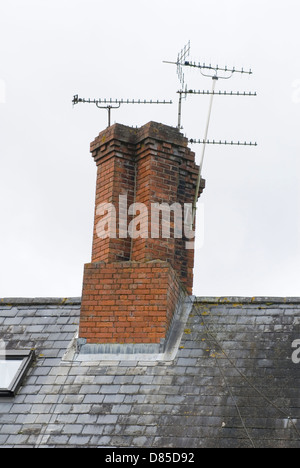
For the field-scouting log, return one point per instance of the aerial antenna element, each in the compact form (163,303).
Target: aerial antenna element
(110,104)
(216,73)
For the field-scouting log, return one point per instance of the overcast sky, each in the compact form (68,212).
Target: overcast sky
(53,49)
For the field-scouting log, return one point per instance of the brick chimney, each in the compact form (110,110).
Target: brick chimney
(140,260)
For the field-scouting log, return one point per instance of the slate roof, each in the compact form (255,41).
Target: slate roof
(231,384)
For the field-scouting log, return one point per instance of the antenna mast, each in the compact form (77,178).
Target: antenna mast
(110,104)
(182,56)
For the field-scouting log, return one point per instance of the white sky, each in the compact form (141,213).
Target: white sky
(53,49)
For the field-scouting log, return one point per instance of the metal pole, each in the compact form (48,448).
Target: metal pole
(215,78)
(179,110)
(109,115)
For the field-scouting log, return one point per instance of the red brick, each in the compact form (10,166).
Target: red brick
(134,290)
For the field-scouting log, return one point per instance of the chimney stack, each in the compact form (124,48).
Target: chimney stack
(142,256)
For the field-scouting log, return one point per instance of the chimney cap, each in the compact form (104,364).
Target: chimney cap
(133,135)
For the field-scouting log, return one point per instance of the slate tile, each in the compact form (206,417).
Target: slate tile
(114,399)
(110,389)
(73,429)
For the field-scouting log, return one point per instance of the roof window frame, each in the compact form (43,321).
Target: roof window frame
(26,357)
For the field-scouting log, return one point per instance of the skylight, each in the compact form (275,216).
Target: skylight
(14,366)
(8,370)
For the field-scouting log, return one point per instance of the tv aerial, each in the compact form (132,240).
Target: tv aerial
(110,104)
(216,73)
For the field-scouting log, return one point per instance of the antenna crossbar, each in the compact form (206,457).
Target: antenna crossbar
(216,68)
(220,142)
(217,93)
(109,104)
(77,100)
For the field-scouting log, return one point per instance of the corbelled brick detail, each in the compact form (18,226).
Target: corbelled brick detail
(131,287)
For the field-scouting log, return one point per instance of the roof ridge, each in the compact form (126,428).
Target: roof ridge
(248,300)
(41,301)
